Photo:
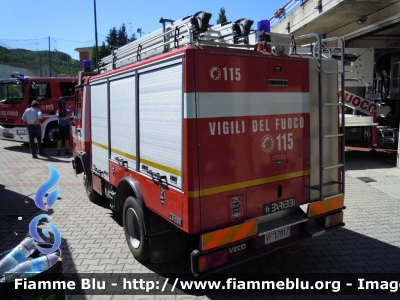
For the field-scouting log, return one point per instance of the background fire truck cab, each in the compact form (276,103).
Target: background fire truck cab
(221,133)
(16,95)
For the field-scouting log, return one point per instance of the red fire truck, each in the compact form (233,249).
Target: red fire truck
(195,131)
(16,95)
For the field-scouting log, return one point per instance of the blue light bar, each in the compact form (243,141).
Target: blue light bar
(86,65)
(263,25)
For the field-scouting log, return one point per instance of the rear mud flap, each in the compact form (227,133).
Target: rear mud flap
(167,246)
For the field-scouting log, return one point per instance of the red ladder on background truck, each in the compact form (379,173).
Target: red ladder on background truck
(196,131)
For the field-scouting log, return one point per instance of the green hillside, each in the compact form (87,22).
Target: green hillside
(61,62)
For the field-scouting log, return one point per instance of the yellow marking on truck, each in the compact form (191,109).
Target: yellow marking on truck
(325,206)
(142,160)
(99,145)
(127,155)
(161,167)
(245,184)
(228,235)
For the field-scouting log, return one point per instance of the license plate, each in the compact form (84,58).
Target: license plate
(270,208)
(277,235)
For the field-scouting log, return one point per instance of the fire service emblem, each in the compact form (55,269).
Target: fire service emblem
(267,143)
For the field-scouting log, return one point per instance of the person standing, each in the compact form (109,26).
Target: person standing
(32,116)
(63,130)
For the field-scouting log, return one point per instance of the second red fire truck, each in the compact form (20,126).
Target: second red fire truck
(17,94)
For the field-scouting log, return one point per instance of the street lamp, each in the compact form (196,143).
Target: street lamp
(95,31)
(140,31)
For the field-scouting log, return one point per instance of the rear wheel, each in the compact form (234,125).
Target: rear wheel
(134,228)
(92,194)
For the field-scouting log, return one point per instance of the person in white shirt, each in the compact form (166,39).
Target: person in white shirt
(32,116)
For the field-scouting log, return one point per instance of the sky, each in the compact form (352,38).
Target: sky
(70,24)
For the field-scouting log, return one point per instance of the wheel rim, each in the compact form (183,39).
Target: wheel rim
(50,133)
(133,228)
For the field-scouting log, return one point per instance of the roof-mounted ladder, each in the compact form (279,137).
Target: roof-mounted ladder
(176,34)
(156,42)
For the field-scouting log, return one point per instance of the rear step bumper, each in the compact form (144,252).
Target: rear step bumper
(255,252)
(282,219)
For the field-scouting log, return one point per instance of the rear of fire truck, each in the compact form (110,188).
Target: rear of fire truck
(270,153)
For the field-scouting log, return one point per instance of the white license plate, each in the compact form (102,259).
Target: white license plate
(277,235)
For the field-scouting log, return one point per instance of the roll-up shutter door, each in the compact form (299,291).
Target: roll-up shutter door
(99,118)
(161,122)
(123,121)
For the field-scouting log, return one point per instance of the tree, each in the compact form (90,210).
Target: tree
(221,16)
(122,36)
(103,52)
(112,37)
(133,37)
(115,38)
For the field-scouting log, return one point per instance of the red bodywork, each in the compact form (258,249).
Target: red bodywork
(235,146)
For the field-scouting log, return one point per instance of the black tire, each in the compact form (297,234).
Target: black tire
(134,228)
(48,137)
(92,195)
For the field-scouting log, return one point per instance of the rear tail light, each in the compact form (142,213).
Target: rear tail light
(212,260)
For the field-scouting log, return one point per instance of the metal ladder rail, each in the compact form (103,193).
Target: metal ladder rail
(341,105)
(218,29)
(132,47)
(160,39)
(128,48)
(141,51)
(136,56)
(137,50)
(317,53)
(228,31)
(217,35)
(340,135)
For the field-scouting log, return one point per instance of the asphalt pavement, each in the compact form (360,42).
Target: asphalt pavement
(93,239)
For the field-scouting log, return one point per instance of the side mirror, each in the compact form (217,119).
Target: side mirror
(35,89)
